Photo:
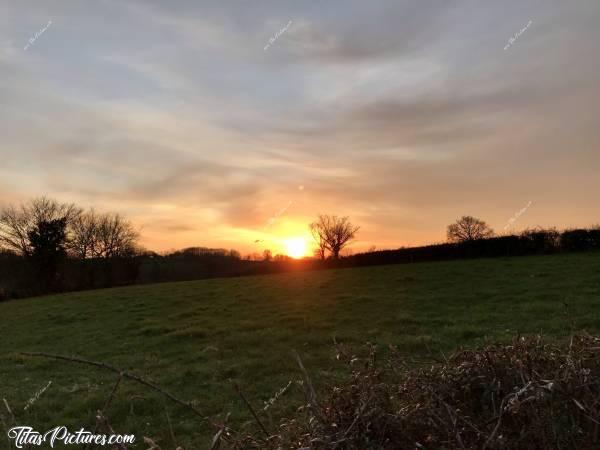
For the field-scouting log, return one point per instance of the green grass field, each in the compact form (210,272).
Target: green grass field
(193,337)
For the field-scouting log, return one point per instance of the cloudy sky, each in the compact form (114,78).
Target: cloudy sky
(219,123)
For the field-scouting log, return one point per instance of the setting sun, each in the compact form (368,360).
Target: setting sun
(296,247)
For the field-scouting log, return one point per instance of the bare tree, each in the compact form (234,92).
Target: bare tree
(84,230)
(319,252)
(267,255)
(95,235)
(319,237)
(115,236)
(17,223)
(332,233)
(468,228)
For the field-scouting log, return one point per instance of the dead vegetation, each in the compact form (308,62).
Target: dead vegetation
(526,395)
(529,394)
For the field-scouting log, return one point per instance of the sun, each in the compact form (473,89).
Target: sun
(296,247)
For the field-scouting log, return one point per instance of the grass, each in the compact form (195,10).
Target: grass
(193,337)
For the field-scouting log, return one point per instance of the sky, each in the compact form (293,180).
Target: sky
(233,124)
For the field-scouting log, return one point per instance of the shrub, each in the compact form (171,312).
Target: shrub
(541,241)
(575,240)
(526,395)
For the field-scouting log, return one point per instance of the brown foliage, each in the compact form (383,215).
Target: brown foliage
(526,395)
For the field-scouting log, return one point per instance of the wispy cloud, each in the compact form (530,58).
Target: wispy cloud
(394,112)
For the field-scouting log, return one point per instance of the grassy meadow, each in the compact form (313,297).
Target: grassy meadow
(193,337)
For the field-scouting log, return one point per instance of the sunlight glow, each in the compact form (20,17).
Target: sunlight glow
(296,247)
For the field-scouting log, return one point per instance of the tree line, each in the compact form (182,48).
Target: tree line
(39,237)
(43,224)
(469,237)
(47,246)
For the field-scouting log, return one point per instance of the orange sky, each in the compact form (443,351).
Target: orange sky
(403,115)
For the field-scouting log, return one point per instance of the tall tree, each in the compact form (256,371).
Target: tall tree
(468,228)
(319,237)
(332,233)
(267,255)
(87,234)
(16,223)
(47,240)
(84,232)
(95,235)
(115,237)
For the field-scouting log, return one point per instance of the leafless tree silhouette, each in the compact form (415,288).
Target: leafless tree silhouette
(115,236)
(332,233)
(17,223)
(84,234)
(319,237)
(468,228)
(267,255)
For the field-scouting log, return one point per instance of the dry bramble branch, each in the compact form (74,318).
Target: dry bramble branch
(121,373)
(522,395)
(224,432)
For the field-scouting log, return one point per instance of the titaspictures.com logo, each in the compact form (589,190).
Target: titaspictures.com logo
(27,436)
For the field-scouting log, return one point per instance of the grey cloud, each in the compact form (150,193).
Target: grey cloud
(473,127)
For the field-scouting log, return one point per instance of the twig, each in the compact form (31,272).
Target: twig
(358,416)
(123,374)
(92,445)
(454,420)
(112,393)
(170,428)
(491,437)
(102,419)
(153,445)
(216,441)
(312,394)
(5,425)
(237,388)
(11,419)
(8,408)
